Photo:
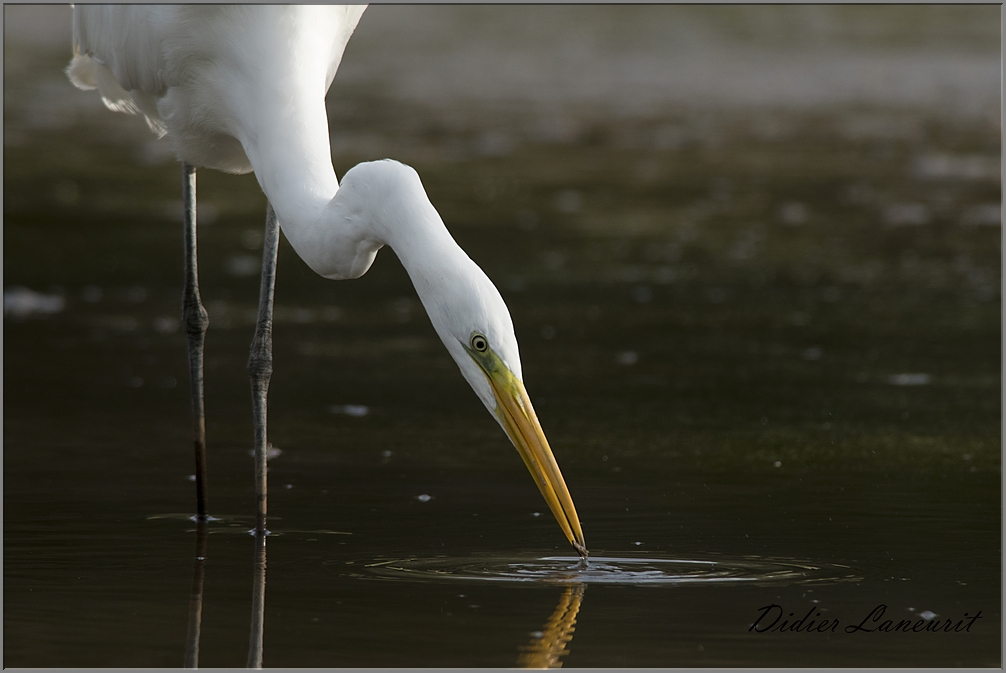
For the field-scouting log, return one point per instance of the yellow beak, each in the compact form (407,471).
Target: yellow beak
(513,408)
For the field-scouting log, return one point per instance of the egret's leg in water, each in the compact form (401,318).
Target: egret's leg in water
(195,320)
(260,364)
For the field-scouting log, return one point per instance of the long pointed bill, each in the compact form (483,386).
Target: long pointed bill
(513,407)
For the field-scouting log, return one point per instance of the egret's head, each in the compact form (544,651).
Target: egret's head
(384,202)
(473,321)
(475,325)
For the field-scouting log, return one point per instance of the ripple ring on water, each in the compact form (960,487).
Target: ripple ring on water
(647,571)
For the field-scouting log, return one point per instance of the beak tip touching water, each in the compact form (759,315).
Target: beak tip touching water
(516,415)
(521,424)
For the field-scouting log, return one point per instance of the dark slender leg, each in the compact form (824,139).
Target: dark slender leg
(260,371)
(258,603)
(260,363)
(196,598)
(195,320)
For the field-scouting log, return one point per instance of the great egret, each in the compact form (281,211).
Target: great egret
(242,88)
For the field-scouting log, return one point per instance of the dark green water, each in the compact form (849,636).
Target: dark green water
(764,344)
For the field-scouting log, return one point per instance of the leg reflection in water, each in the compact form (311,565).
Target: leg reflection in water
(196,597)
(548,645)
(196,600)
(258,602)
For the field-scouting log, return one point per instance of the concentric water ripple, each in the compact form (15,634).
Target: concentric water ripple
(613,570)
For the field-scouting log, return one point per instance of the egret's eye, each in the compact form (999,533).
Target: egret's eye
(479,343)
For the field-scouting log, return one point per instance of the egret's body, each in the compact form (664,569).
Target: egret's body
(242,88)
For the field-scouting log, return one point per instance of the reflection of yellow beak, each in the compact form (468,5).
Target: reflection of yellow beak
(552,641)
(513,407)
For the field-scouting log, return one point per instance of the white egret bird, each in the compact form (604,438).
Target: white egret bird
(242,88)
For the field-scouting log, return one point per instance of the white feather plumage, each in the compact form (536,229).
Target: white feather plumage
(242,88)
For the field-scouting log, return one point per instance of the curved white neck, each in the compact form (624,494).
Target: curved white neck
(283,127)
(288,147)
(337,230)
(275,102)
